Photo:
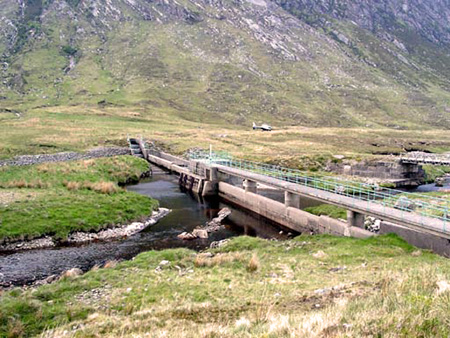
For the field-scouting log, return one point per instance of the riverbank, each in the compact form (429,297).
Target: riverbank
(80,237)
(55,200)
(311,285)
(27,267)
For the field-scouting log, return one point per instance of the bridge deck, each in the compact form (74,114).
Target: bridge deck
(377,209)
(424,158)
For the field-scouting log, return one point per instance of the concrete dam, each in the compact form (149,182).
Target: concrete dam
(237,181)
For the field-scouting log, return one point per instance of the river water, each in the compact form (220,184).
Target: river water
(188,212)
(431,187)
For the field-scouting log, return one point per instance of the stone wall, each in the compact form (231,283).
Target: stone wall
(385,170)
(67,156)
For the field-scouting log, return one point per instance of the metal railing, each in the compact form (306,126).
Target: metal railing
(424,206)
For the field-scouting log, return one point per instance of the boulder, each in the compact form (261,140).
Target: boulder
(223,213)
(200,233)
(440,181)
(186,236)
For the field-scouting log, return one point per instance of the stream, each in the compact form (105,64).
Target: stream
(188,212)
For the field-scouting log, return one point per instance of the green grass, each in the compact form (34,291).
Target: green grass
(381,285)
(58,213)
(59,198)
(434,171)
(118,169)
(328,210)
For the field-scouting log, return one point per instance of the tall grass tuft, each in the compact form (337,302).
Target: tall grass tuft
(253,264)
(22,184)
(202,260)
(72,185)
(103,187)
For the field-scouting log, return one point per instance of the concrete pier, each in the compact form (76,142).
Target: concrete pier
(291,200)
(355,219)
(250,186)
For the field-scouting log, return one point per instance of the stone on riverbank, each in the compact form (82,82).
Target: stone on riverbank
(118,232)
(186,236)
(213,225)
(200,233)
(39,243)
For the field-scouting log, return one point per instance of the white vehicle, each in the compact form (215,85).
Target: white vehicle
(263,127)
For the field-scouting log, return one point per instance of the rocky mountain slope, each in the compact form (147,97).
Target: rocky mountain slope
(312,62)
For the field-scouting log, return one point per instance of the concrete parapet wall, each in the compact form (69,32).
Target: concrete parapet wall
(159,161)
(359,233)
(420,239)
(292,218)
(328,225)
(174,159)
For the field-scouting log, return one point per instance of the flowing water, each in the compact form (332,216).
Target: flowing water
(188,212)
(431,187)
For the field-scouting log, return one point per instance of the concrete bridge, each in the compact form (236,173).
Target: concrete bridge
(425,158)
(218,176)
(357,208)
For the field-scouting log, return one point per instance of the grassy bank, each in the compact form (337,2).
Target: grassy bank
(328,210)
(309,286)
(435,171)
(59,198)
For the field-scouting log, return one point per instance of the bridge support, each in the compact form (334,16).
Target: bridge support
(210,187)
(291,200)
(250,186)
(355,219)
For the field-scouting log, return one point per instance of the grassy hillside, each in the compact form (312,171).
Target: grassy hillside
(309,286)
(224,63)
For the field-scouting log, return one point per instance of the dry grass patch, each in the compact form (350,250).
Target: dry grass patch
(101,187)
(23,184)
(72,185)
(110,264)
(208,260)
(9,196)
(253,265)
